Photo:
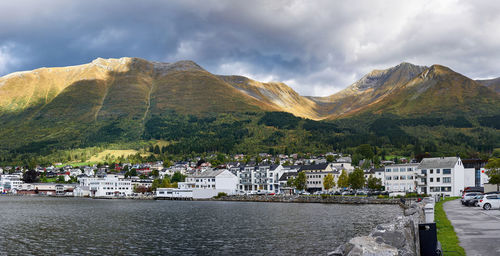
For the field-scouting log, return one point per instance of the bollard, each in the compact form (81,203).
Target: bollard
(429,213)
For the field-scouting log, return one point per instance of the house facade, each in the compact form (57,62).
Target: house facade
(260,178)
(208,184)
(441,176)
(400,177)
(108,186)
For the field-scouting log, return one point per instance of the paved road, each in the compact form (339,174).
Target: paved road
(478,230)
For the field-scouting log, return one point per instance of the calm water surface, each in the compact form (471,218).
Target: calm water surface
(76,226)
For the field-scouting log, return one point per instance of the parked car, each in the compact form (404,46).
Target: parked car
(468,196)
(491,201)
(474,201)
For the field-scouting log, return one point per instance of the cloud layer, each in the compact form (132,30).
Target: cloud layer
(317,47)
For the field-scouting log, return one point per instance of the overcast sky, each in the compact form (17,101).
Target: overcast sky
(316,47)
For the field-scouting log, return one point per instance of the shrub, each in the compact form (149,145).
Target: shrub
(221,194)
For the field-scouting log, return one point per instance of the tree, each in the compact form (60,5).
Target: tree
(290,182)
(330,158)
(343,181)
(155,173)
(301,181)
(365,150)
(374,183)
(177,177)
(157,150)
(328,181)
(357,179)
(30,176)
(493,172)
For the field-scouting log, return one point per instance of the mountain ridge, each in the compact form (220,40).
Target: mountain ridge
(144,79)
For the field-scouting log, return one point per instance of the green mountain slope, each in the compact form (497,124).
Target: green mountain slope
(127,102)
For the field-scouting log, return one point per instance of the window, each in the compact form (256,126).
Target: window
(388,170)
(438,171)
(438,179)
(424,171)
(431,171)
(446,179)
(431,180)
(445,189)
(401,169)
(446,171)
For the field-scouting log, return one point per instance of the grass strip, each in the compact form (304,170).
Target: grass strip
(445,231)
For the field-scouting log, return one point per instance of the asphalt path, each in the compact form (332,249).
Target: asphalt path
(478,230)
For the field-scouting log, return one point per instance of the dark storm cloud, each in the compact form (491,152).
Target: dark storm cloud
(317,47)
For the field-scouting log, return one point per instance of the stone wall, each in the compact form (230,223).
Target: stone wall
(399,237)
(311,199)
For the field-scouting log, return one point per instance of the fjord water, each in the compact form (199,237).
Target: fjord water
(76,226)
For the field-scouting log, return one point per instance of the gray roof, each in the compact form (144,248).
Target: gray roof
(208,174)
(438,162)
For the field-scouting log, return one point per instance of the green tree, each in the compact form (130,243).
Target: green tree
(357,179)
(343,181)
(301,181)
(157,150)
(374,183)
(493,172)
(365,150)
(290,182)
(177,177)
(330,158)
(328,181)
(155,173)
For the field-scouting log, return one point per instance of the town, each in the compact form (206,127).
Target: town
(265,174)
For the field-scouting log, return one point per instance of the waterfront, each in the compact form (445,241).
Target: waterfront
(75,226)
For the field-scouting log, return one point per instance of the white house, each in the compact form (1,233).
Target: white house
(261,178)
(400,177)
(108,186)
(441,175)
(208,184)
(10,182)
(176,193)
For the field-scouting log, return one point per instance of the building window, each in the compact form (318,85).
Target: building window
(446,179)
(431,171)
(438,179)
(424,171)
(431,180)
(387,170)
(438,171)
(446,171)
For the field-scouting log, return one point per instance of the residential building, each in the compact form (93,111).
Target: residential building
(108,186)
(260,178)
(441,176)
(400,177)
(209,183)
(315,173)
(10,182)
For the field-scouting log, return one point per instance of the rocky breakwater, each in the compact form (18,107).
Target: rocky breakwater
(310,199)
(399,237)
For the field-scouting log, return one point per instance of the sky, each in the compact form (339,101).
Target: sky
(316,47)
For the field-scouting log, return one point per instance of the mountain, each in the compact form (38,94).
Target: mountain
(371,88)
(129,102)
(119,88)
(438,90)
(491,83)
